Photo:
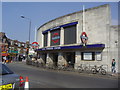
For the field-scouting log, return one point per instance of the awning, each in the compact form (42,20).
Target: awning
(72,47)
(4,54)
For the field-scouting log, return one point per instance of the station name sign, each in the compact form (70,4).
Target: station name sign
(73,47)
(51,48)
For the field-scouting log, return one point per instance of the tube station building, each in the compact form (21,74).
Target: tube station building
(63,40)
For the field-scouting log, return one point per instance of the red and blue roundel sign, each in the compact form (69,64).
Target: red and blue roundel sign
(35,44)
(55,37)
(84,38)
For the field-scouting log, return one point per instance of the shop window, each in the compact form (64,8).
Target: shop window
(98,56)
(70,34)
(88,56)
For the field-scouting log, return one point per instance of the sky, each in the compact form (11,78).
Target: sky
(17,28)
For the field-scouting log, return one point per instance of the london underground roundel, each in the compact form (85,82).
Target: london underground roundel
(35,44)
(84,38)
(55,37)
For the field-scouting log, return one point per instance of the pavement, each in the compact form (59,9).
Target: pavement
(109,75)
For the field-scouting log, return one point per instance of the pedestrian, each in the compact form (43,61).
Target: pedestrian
(113,65)
(4,59)
(23,57)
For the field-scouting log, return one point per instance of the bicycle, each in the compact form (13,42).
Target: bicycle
(82,68)
(99,69)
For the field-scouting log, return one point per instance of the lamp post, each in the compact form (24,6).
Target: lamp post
(29,31)
(29,25)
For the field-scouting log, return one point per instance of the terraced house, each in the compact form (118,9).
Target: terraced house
(12,49)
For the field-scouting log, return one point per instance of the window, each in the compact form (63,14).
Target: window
(55,37)
(25,45)
(4,40)
(12,48)
(98,56)
(18,50)
(12,42)
(45,39)
(70,34)
(0,39)
(19,44)
(87,56)
(16,43)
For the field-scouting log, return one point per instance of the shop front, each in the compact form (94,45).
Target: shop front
(4,53)
(12,55)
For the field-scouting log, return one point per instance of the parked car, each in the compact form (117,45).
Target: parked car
(9,80)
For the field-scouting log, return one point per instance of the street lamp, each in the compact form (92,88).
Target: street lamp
(29,31)
(29,25)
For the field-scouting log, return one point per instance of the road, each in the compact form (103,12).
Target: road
(40,78)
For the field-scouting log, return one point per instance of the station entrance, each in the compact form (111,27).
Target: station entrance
(70,58)
(55,59)
(44,57)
